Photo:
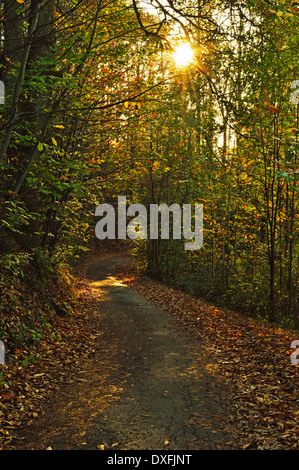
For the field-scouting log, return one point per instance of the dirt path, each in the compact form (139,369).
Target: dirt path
(149,384)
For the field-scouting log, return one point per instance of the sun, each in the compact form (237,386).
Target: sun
(183,55)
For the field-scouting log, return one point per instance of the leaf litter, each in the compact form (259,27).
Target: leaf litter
(253,358)
(33,372)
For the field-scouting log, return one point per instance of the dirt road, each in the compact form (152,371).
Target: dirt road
(148,386)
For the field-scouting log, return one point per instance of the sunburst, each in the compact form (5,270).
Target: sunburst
(183,55)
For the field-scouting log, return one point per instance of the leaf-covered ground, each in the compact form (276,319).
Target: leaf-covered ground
(45,357)
(253,356)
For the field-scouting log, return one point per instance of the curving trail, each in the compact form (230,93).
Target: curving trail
(148,386)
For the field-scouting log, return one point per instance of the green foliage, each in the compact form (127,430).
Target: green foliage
(96,108)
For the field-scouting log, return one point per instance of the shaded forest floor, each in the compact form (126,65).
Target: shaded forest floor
(252,357)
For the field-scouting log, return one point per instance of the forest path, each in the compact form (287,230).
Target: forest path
(149,385)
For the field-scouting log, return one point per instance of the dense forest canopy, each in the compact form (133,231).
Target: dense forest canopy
(97,105)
